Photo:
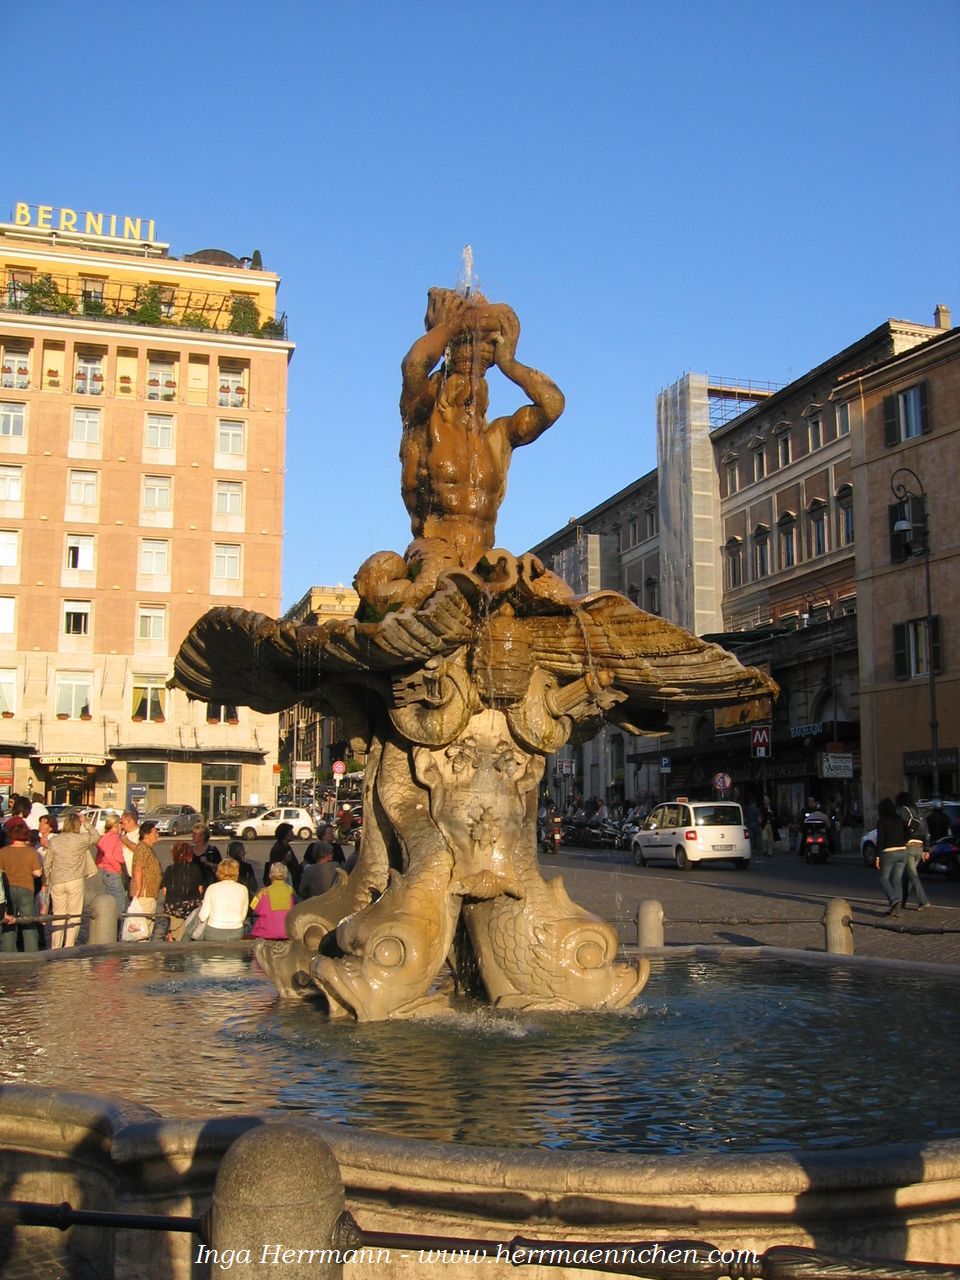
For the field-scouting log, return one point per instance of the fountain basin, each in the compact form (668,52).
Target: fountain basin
(866,1195)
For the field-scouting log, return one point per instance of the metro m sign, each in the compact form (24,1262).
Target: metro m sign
(760,741)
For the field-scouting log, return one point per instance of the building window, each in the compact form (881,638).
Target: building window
(161,380)
(8,692)
(734,564)
(13,421)
(845,517)
(788,545)
(651,595)
(651,518)
(815,433)
(6,615)
(11,484)
(18,288)
(159,431)
(910,656)
(733,478)
(817,531)
(843,418)
(226,561)
(230,438)
(9,549)
(761,553)
(88,378)
(229,498)
(231,392)
(783,450)
(73,694)
(154,557)
(151,622)
(85,428)
(15,370)
(91,295)
(149,698)
(157,493)
(906,415)
(82,488)
(79,551)
(76,617)
(759,464)
(222,713)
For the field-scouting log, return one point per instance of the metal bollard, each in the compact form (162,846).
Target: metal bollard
(102,919)
(276,1200)
(650,924)
(838,927)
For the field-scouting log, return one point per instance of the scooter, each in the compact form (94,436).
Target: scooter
(551,834)
(815,842)
(944,860)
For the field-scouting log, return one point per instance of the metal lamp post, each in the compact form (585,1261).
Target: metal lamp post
(903,491)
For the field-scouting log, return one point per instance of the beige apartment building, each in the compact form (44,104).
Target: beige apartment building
(142,442)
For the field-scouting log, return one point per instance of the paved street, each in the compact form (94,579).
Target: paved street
(777,902)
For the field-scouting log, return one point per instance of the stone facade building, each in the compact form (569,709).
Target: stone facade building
(142,440)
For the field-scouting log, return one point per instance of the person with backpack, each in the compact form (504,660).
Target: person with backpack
(915,853)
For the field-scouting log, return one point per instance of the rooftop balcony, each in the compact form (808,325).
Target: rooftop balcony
(123,302)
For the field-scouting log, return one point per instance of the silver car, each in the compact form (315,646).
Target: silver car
(687,832)
(174,819)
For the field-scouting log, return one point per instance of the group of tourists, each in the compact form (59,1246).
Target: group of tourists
(44,870)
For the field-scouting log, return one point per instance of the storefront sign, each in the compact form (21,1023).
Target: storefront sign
(73,758)
(836,764)
(922,761)
(45,217)
(806,730)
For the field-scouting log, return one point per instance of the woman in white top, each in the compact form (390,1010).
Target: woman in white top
(223,910)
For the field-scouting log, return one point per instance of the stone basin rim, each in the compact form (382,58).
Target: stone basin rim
(131,1132)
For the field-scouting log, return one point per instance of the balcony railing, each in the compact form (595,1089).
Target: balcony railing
(122,302)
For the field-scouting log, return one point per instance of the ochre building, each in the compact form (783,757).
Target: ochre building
(142,425)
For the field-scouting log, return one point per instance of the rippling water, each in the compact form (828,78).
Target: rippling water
(715,1056)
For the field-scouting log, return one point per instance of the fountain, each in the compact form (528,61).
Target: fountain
(465,667)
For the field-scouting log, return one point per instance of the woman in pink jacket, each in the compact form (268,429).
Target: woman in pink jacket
(270,905)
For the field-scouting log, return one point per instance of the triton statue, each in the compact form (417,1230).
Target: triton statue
(464,668)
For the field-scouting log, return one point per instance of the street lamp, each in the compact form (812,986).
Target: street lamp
(906,525)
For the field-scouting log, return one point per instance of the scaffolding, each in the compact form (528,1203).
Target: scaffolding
(729,397)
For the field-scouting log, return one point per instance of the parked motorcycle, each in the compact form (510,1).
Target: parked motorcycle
(551,834)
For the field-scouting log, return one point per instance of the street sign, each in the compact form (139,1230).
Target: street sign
(666,764)
(567,768)
(339,768)
(760,741)
(302,770)
(722,781)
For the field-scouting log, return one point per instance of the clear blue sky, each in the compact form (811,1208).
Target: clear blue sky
(735,188)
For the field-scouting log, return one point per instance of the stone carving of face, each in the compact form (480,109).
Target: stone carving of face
(478,787)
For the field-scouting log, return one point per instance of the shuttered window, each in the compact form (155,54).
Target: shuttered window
(906,415)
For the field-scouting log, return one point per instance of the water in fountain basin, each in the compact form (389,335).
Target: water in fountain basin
(714,1057)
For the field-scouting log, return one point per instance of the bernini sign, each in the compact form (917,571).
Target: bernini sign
(46,217)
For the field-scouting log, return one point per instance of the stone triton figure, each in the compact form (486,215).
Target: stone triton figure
(465,667)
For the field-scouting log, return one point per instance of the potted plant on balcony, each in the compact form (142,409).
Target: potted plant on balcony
(7,715)
(224,389)
(153,382)
(126,382)
(138,719)
(62,715)
(85,715)
(6,369)
(161,719)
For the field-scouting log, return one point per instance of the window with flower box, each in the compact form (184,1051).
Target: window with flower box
(231,391)
(88,375)
(73,690)
(8,692)
(161,379)
(149,698)
(15,369)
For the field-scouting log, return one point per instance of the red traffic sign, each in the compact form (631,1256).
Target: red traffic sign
(760,740)
(339,768)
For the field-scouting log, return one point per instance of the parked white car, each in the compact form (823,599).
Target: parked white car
(302,820)
(687,832)
(98,817)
